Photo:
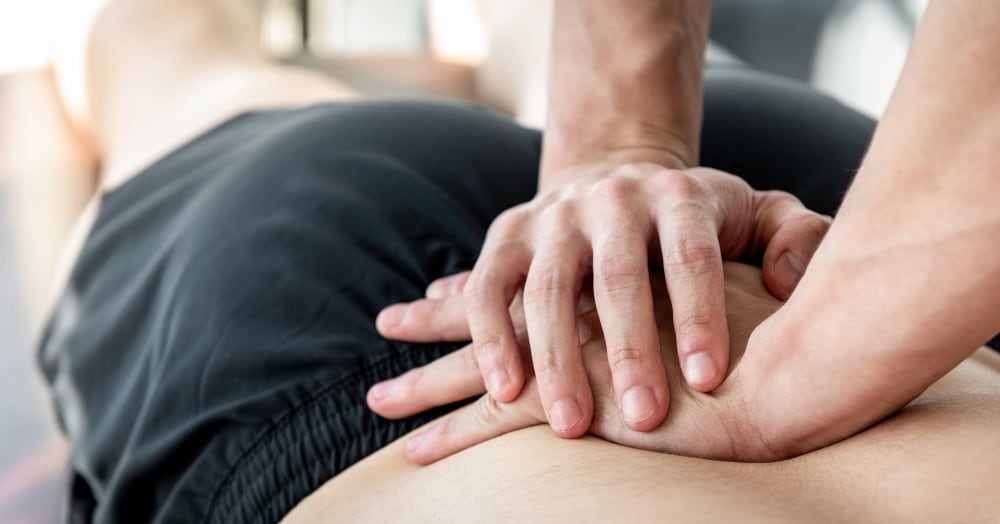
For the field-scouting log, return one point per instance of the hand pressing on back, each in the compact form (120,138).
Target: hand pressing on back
(609,226)
(618,192)
(717,425)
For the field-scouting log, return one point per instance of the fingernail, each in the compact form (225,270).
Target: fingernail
(391,316)
(638,404)
(789,269)
(496,380)
(699,369)
(381,390)
(564,414)
(415,442)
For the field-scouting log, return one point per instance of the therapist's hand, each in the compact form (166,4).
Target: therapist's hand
(611,221)
(716,425)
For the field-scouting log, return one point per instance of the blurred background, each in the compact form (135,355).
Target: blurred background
(490,51)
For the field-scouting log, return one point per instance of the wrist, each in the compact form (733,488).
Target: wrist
(630,143)
(625,83)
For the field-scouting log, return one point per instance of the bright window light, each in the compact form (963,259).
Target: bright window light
(24,36)
(458,31)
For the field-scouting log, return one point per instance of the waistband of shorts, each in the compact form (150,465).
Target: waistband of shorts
(316,440)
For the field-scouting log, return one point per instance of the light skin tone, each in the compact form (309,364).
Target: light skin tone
(873,322)
(915,238)
(209,67)
(934,461)
(698,424)
(618,190)
(207,73)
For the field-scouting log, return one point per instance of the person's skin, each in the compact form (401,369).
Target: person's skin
(208,67)
(875,320)
(618,189)
(53,176)
(934,461)
(130,110)
(907,283)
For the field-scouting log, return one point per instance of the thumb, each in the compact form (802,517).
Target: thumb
(791,234)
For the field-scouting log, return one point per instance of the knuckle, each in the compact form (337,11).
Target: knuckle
(508,224)
(690,211)
(423,311)
(487,346)
(614,190)
(679,184)
(693,256)
(482,287)
(559,214)
(438,287)
(546,288)
(694,322)
(818,224)
(627,357)
(487,411)
(620,272)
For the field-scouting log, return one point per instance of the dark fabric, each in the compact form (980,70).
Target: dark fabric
(210,356)
(779,134)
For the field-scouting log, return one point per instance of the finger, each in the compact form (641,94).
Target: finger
(692,263)
(550,296)
(475,423)
(425,320)
(625,306)
(448,286)
(448,379)
(792,233)
(488,293)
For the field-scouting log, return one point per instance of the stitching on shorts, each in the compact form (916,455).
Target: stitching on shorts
(267,434)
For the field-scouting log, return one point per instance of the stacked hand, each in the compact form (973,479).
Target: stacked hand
(610,222)
(713,426)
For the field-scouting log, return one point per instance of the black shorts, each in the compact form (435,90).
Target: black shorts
(210,356)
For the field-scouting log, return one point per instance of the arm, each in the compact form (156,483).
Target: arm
(875,319)
(624,81)
(617,191)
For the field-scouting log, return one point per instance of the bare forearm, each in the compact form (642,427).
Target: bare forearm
(625,76)
(907,282)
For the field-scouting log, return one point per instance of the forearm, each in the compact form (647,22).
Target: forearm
(625,77)
(907,282)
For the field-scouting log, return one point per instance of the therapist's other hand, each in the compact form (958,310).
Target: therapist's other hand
(713,425)
(610,222)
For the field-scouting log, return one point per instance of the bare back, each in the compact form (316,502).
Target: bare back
(934,461)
